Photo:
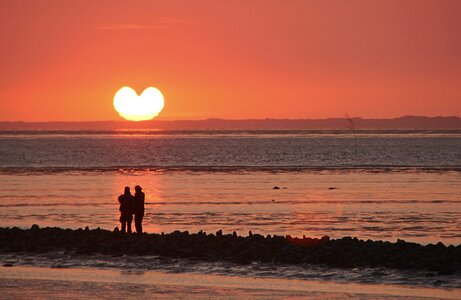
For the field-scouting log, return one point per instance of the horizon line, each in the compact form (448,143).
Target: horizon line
(244,119)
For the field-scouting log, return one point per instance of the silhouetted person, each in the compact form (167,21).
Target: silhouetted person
(126,210)
(138,208)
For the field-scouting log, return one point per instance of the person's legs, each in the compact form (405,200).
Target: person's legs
(138,222)
(122,221)
(129,220)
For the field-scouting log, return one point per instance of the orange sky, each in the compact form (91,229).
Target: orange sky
(64,60)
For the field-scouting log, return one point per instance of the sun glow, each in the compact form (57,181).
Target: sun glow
(144,107)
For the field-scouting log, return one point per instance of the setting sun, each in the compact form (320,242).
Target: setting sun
(144,107)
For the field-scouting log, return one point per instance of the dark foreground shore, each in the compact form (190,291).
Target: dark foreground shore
(344,253)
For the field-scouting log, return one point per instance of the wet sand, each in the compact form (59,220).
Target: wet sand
(76,283)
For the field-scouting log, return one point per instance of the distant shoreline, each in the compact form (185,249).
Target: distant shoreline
(400,123)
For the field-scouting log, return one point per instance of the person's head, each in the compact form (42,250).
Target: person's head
(138,188)
(127,190)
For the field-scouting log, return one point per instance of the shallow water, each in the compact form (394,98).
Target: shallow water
(389,185)
(303,272)
(75,283)
(416,206)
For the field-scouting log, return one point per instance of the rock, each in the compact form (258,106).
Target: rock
(325,238)
(347,252)
(35,227)
(438,282)
(276,188)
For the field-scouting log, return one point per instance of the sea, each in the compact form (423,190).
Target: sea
(378,185)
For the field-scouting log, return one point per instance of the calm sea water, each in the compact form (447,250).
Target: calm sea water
(380,186)
(216,150)
(374,186)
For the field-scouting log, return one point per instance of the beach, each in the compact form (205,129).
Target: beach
(52,283)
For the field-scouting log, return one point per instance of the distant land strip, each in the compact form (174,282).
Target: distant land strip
(403,123)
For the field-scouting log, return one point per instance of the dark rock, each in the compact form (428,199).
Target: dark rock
(276,188)
(438,282)
(346,252)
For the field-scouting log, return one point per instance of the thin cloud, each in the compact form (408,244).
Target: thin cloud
(123,27)
(161,23)
(175,21)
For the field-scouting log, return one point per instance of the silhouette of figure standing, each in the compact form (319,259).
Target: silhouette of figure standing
(138,206)
(126,210)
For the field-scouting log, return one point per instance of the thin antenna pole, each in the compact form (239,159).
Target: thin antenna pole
(352,127)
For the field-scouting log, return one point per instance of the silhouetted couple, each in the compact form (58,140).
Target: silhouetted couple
(130,205)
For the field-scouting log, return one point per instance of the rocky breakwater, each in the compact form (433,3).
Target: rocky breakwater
(346,252)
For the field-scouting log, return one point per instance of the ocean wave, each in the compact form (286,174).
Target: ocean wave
(230,169)
(246,202)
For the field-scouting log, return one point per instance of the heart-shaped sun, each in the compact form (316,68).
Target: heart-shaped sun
(138,108)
